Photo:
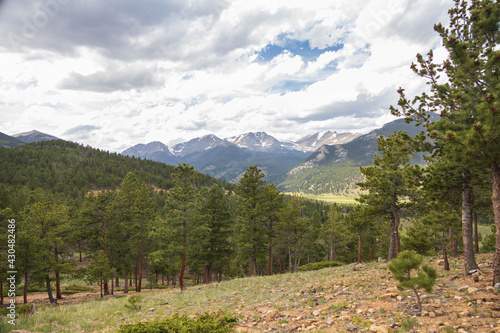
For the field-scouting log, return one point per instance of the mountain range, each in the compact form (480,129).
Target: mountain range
(324,162)
(229,158)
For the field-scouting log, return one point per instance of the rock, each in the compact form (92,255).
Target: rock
(236,293)
(350,327)
(462,288)
(272,314)
(432,314)
(461,330)
(497,286)
(472,271)
(390,295)
(381,329)
(316,313)
(152,309)
(472,290)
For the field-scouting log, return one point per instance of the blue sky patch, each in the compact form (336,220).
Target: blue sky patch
(295,47)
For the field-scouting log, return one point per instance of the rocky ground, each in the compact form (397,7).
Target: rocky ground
(365,298)
(351,298)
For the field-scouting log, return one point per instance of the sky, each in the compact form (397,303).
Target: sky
(115,73)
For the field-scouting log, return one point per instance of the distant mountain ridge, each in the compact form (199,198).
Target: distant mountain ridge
(34,136)
(229,158)
(9,141)
(20,139)
(335,168)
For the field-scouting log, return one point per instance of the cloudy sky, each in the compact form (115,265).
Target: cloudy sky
(115,73)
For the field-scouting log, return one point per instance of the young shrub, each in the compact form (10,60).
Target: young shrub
(134,302)
(216,322)
(313,266)
(402,268)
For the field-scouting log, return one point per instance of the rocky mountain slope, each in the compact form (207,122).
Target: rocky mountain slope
(314,141)
(229,158)
(34,136)
(335,168)
(351,298)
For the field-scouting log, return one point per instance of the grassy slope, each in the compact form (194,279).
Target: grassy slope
(329,300)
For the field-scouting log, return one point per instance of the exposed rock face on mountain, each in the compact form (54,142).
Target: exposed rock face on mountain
(335,168)
(155,151)
(316,140)
(34,136)
(197,145)
(357,152)
(261,141)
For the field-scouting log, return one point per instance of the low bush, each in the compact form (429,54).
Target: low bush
(74,289)
(216,322)
(314,266)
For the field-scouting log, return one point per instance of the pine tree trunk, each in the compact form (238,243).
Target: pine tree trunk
(117,283)
(139,282)
(359,246)
(445,258)
(392,239)
(469,259)
(476,235)
(207,274)
(395,232)
(112,284)
(80,251)
(270,268)
(100,283)
(49,290)
(58,279)
(25,289)
(125,285)
(1,292)
(181,273)
(135,273)
(495,199)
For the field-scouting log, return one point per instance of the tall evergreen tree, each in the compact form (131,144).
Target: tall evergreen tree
(131,213)
(467,101)
(390,181)
(182,210)
(43,223)
(251,230)
(212,246)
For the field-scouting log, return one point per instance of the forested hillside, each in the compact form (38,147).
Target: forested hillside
(71,169)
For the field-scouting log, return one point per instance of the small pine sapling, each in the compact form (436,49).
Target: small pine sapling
(402,267)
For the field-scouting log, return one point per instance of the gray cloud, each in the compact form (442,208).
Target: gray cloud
(81,129)
(117,28)
(365,106)
(111,80)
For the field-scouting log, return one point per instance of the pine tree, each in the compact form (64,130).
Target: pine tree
(251,232)
(130,214)
(182,211)
(402,268)
(43,224)
(212,247)
(390,181)
(467,102)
